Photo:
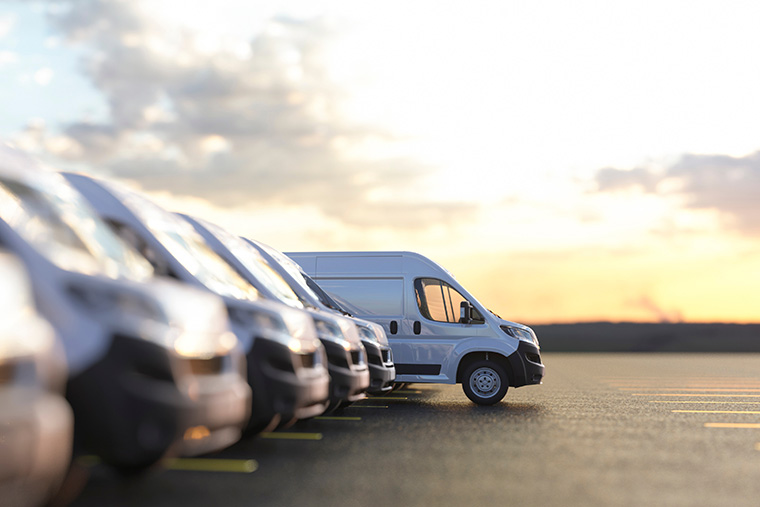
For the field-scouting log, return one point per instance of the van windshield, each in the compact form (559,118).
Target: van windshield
(256,265)
(55,220)
(291,268)
(187,247)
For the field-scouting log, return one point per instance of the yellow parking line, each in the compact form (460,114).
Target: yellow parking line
(291,436)
(720,402)
(212,465)
(700,395)
(391,398)
(757,446)
(407,392)
(716,411)
(365,406)
(733,425)
(191,464)
(336,418)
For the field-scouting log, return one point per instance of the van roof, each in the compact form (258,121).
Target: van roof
(407,262)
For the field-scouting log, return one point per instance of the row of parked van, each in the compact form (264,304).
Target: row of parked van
(132,333)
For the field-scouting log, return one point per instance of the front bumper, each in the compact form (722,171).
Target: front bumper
(285,383)
(382,371)
(138,402)
(527,368)
(221,411)
(36,437)
(349,374)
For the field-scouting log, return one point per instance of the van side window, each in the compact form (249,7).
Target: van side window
(439,301)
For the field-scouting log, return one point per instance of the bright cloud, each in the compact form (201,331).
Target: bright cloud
(721,183)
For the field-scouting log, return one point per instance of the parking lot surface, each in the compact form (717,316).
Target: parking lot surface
(604,429)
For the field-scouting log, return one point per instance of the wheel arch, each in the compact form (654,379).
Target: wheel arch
(472,357)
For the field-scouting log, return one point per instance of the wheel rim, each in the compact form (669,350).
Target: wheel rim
(485,382)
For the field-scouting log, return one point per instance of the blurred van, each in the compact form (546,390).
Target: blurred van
(153,367)
(36,422)
(379,355)
(285,359)
(346,355)
(438,331)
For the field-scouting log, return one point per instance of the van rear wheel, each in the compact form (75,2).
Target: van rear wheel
(485,382)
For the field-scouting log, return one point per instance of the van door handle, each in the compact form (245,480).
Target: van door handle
(417,327)
(394,327)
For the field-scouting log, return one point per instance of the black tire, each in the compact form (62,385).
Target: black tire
(485,382)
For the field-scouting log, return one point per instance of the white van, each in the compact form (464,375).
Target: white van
(36,422)
(153,367)
(346,364)
(438,331)
(382,371)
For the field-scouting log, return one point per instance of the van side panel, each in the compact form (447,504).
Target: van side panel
(348,265)
(377,297)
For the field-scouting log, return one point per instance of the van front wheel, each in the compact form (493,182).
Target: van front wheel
(485,382)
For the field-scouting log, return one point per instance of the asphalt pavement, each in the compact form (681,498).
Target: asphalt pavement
(604,429)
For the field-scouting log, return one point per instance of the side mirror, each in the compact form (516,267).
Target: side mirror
(465,312)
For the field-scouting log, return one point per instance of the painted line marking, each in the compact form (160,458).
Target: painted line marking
(365,406)
(245,466)
(336,418)
(190,464)
(716,411)
(391,398)
(757,446)
(407,392)
(291,436)
(733,425)
(710,401)
(690,389)
(700,395)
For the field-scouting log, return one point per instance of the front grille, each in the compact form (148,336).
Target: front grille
(356,356)
(206,366)
(307,360)
(386,355)
(374,359)
(7,372)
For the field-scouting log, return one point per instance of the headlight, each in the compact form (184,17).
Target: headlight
(202,346)
(24,334)
(330,331)
(367,334)
(272,326)
(520,334)
(143,316)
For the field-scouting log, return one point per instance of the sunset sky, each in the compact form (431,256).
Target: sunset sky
(566,161)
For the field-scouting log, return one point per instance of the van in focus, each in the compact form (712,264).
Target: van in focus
(438,331)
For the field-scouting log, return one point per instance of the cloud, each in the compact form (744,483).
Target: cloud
(43,76)
(7,57)
(7,22)
(730,185)
(262,125)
